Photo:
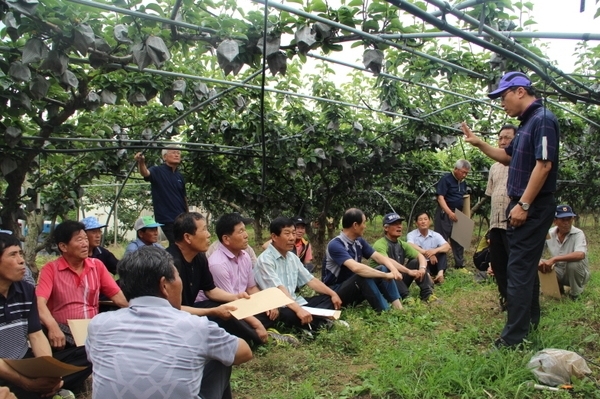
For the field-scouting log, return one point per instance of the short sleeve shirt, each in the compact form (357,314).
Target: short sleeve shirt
(231,273)
(73,296)
(496,189)
(400,251)
(195,276)
(18,318)
(273,270)
(452,190)
(430,241)
(152,350)
(339,250)
(574,242)
(537,139)
(168,193)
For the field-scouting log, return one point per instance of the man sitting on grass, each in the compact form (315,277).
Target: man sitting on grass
(352,280)
(414,265)
(154,350)
(279,267)
(431,245)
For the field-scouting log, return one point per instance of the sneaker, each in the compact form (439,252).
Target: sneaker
(408,301)
(64,394)
(281,339)
(342,323)
(432,300)
(464,270)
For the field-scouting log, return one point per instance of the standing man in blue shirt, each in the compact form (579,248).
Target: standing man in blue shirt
(167,187)
(533,168)
(449,193)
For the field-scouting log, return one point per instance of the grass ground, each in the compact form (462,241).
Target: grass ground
(429,351)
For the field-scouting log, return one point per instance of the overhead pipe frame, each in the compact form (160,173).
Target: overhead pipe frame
(426,17)
(508,34)
(368,36)
(503,39)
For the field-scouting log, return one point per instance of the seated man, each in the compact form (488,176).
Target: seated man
(154,350)
(191,242)
(93,229)
(213,247)
(69,287)
(568,248)
(352,280)
(21,332)
(431,245)
(414,265)
(146,230)
(231,269)
(302,247)
(278,267)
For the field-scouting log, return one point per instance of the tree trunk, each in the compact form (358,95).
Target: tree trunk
(35,222)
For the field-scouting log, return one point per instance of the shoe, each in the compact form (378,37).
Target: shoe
(463,270)
(408,301)
(329,324)
(281,339)
(64,394)
(433,300)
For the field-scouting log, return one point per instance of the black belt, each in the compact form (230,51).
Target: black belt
(539,196)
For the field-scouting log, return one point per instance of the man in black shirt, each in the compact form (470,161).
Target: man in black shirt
(93,229)
(191,242)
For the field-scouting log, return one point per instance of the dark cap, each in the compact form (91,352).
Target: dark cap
(392,218)
(508,81)
(298,220)
(564,211)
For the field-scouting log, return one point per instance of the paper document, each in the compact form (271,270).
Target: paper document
(549,284)
(43,366)
(268,299)
(462,231)
(79,329)
(328,313)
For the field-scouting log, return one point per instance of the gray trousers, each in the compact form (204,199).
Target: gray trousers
(574,275)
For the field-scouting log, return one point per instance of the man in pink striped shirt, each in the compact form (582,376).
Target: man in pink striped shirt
(69,287)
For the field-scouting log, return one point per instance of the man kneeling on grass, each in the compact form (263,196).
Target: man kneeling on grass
(152,349)
(281,268)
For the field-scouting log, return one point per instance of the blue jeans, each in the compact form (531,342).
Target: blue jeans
(377,291)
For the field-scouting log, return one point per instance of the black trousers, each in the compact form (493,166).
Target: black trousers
(499,258)
(443,225)
(425,285)
(526,244)
(289,318)
(167,229)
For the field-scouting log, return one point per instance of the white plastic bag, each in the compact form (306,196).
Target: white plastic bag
(555,367)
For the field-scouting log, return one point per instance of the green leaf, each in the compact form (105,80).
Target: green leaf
(296,1)
(529,22)
(319,6)
(355,3)
(357,43)
(597,13)
(155,7)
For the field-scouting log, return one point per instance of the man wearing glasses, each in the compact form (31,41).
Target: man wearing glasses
(533,168)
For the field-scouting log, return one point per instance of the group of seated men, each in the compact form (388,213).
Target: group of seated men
(154,344)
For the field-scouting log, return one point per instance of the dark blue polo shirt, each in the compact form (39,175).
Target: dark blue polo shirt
(537,139)
(452,191)
(168,193)
(18,318)
(107,257)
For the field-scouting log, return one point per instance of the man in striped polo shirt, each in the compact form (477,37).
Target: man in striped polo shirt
(20,328)
(69,287)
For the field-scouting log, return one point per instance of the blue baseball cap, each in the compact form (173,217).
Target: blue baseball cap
(508,81)
(391,218)
(91,223)
(564,211)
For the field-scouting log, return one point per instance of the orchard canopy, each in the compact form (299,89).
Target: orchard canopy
(305,106)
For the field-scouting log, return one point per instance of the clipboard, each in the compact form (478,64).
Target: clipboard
(462,230)
(264,300)
(79,328)
(549,284)
(43,366)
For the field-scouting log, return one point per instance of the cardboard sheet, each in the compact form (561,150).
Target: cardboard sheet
(262,301)
(327,313)
(462,231)
(43,366)
(549,284)
(79,329)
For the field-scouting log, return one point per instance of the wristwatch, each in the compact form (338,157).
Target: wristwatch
(524,205)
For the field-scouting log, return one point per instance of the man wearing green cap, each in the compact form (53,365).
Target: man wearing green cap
(146,229)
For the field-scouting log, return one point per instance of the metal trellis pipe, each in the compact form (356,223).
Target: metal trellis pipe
(368,36)
(508,34)
(425,16)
